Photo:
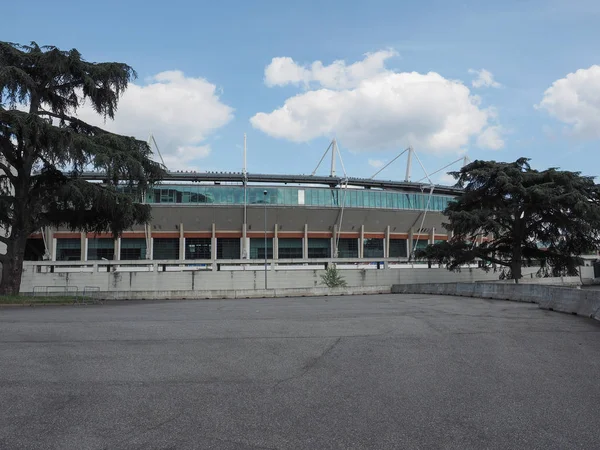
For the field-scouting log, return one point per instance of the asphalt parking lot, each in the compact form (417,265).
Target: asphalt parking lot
(381,372)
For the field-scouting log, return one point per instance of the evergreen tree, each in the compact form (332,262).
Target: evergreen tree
(44,149)
(522,215)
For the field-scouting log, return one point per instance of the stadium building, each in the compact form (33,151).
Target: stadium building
(221,217)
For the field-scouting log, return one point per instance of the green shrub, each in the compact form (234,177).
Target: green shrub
(333,278)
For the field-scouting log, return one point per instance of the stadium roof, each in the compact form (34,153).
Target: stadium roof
(296,179)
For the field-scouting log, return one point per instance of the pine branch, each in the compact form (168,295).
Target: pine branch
(8,172)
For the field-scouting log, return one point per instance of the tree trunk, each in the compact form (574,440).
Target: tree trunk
(12,267)
(515,266)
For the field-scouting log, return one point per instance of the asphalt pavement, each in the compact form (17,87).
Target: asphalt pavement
(362,372)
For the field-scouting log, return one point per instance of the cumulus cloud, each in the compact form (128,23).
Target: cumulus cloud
(338,75)
(446,179)
(491,138)
(181,112)
(484,79)
(370,107)
(575,101)
(376,163)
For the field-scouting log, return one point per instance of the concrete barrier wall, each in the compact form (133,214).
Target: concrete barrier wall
(582,302)
(238,280)
(239,293)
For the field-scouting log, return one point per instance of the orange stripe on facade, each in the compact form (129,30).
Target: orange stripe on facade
(198,234)
(257,234)
(374,235)
(319,235)
(133,235)
(229,234)
(290,234)
(99,235)
(63,235)
(398,236)
(349,235)
(167,234)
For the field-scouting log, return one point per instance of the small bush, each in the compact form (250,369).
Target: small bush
(333,278)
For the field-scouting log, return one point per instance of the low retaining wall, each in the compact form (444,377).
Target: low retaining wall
(205,280)
(582,302)
(238,293)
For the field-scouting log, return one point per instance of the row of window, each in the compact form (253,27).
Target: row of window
(292,196)
(227,248)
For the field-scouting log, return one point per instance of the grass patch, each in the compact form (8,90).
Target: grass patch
(39,299)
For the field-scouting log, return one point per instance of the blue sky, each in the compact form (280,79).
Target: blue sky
(421,92)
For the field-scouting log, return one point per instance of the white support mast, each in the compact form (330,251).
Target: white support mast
(245,176)
(244,169)
(408,163)
(334,150)
(151,141)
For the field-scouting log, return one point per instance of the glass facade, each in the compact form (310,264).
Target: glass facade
(373,248)
(197,248)
(257,248)
(319,248)
(348,248)
(101,248)
(290,248)
(293,196)
(165,248)
(398,248)
(228,248)
(68,249)
(133,249)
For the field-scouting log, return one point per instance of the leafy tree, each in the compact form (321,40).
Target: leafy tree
(44,149)
(522,215)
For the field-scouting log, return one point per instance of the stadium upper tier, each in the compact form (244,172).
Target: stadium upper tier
(299,190)
(296,196)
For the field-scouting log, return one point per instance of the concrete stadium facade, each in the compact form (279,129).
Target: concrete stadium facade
(222,217)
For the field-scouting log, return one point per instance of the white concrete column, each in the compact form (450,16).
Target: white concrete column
(334,242)
(275,243)
(83,253)
(49,239)
(181,243)
(53,250)
(386,243)
(305,242)
(432,236)
(150,250)
(213,243)
(244,246)
(361,244)
(117,254)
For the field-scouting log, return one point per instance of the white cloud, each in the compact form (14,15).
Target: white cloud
(181,112)
(575,101)
(183,158)
(376,163)
(446,179)
(484,79)
(338,75)
(375,108)
(491,138)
